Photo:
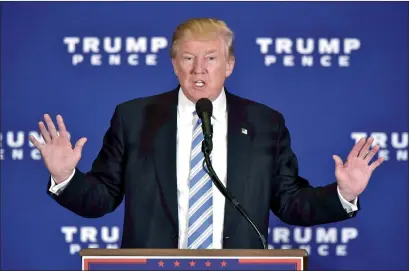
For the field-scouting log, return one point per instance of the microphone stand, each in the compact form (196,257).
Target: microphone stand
(207,147)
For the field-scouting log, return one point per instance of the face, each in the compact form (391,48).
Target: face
(202,67)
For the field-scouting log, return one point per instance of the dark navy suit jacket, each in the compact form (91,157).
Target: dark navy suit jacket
(138,161)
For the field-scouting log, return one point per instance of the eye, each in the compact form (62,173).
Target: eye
(211,57)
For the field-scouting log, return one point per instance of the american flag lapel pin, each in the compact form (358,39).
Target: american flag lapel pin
(244,131)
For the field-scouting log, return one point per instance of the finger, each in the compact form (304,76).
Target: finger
(51,127)
(364,151)
(355,150)
(376,164)
(79,145)
(61,127)
(338,161)
(372,153)
(35,142)
(44,132)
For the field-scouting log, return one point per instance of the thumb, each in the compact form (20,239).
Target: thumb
(79,145)
(338,161)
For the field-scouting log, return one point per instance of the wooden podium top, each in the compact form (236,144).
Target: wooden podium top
(195,252)
(193,259)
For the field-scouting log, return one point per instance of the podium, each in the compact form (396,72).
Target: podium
(188,259)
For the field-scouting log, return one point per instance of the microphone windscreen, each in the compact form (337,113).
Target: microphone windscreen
(204,105)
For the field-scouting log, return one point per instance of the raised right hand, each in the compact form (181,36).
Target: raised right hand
(57,152)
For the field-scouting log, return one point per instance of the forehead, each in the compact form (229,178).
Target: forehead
(201,46)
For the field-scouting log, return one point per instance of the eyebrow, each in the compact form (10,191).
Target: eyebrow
(211,51)
(207,52)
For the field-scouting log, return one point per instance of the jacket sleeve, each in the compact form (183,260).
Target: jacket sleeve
(99,191)
(294,200)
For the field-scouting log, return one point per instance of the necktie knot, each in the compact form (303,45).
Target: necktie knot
(196,120)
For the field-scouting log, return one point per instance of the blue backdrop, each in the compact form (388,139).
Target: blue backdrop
(337,71)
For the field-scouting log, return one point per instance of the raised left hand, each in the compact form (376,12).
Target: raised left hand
(353,175)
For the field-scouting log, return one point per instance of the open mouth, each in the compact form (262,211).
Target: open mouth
(199,83)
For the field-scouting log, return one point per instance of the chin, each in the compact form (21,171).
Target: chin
(207,95)
(196,94)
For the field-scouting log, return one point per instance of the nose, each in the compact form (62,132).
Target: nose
(199,66)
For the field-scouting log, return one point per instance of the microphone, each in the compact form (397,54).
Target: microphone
(204,110)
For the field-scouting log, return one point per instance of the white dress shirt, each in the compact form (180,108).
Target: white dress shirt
(219,161)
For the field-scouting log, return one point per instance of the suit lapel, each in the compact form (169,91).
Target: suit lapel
(239,141)
(164,124)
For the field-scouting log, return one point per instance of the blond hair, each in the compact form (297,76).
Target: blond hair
(202,28)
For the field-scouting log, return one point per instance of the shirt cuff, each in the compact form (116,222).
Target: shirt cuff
(348,206)
(58,188)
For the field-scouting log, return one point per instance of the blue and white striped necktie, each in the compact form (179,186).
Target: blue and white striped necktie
(200,229)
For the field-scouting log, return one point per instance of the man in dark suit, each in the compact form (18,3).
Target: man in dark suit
(151,155)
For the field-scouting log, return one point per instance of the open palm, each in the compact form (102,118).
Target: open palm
(353,175)
(58,154)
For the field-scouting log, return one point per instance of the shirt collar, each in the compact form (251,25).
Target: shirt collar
(187,107)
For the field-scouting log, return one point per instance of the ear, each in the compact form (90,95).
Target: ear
(174,64)
(230,65)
